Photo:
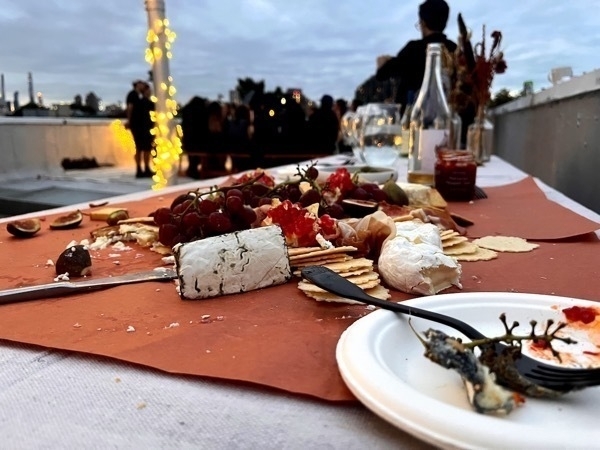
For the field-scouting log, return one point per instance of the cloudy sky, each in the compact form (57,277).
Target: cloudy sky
(322,46)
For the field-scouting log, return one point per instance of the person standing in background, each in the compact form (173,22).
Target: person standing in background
(323,128)
(408,66)
(194,126)
(139,123)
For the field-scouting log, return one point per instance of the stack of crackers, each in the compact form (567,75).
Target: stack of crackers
(359,271)
(482,249)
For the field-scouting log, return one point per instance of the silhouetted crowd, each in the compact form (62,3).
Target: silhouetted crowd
(268,131)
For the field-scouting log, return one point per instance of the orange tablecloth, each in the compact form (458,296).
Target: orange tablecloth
(275,337)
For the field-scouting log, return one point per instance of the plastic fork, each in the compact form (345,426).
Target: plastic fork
(562,379)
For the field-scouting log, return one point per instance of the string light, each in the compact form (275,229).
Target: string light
(123,136)
(167,141)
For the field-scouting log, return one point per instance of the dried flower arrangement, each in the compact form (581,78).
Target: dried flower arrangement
(472,69)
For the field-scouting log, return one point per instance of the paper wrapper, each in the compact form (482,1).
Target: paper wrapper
(274,337)
(521,209)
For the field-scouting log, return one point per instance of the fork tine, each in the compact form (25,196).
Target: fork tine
(564,376)
(566,371)
(479,193)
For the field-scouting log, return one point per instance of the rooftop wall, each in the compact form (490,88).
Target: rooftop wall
(555,136)
(38,145)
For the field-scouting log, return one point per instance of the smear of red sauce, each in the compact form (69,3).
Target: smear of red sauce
(540,344)
(580,314)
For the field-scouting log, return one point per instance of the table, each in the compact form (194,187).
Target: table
(55,399)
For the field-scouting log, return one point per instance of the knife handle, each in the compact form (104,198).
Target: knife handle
(57,289)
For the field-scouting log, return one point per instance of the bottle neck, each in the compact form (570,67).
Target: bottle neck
(432,97)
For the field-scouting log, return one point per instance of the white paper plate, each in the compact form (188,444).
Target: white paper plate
(382,362)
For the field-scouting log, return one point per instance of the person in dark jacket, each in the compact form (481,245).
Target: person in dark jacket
(408,66)
(323,128)
(194,127)
(139,123)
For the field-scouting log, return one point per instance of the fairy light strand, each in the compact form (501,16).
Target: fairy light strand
(123,136)
(167,140)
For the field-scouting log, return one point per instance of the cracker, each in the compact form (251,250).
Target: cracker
(321,252)
(143,220)
(461,249)
(509,244)
(350,265)
(404,218)
(450,235)
(293,251)
(448,231)
(455,240)
(364,277)
(307,286)
(481,254)
(379,292)
(320,261)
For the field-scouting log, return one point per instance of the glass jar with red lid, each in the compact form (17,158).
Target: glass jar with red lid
(455,174)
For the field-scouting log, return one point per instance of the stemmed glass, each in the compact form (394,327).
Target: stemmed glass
(380,134)
(351,128)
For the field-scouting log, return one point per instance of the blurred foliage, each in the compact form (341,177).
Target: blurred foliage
(501,97)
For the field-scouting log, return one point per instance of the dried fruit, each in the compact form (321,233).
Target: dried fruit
(74,260)
(24,228)
(116,216)
(395,193)
(359,208)
(71,220)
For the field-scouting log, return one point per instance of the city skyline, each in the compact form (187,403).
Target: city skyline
(319,46)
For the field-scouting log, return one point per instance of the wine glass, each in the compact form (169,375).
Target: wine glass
(380,136)
(354,132)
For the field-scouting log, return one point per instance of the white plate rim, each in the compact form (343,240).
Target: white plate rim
(431,420)
(381,175)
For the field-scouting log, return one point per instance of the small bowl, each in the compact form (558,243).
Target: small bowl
(377,175)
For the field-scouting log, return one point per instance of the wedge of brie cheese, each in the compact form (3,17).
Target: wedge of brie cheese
(413,261)
(236,262)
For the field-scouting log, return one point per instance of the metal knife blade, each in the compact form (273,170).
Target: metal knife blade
(61,288)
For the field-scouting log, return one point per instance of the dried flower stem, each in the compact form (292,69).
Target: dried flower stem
(547,337)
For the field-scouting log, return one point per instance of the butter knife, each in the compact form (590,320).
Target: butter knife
(61,288)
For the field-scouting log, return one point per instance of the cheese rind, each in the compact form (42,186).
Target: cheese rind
(236,262)
(414,262)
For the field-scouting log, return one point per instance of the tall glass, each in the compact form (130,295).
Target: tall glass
(381,134)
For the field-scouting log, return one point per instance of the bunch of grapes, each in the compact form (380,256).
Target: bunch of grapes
(195,216)
(192,216)
(367,191)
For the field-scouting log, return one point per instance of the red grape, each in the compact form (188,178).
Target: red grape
(162,216)
(234,193)
(311,173)
(182,198)
(334,210)
(259,189)
(359,194)
(219,223)
(193,219)
(207,206)
(310,197)
(167,233)
(234,204)
(379,196)
(248,215)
